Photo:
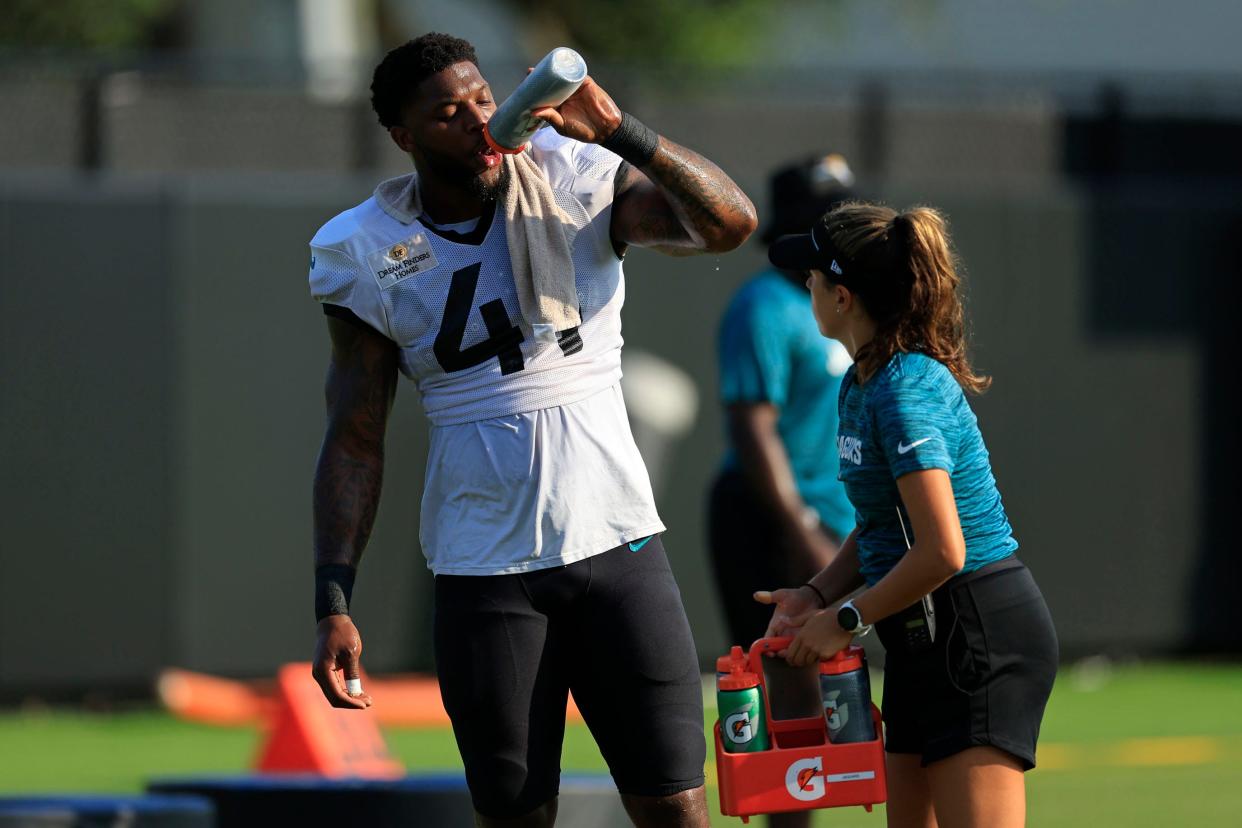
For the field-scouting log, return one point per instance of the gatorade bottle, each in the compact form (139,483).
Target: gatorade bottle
(739,698)
(724,664)
(550,83)
(845,689)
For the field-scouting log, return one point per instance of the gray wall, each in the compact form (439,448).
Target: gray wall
(86,456)
(162,408)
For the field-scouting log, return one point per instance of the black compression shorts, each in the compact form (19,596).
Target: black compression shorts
(987,677)
(610,628)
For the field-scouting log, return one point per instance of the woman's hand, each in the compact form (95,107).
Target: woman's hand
(793,608)
(821,637)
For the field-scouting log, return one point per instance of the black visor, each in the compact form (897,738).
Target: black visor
(810,251)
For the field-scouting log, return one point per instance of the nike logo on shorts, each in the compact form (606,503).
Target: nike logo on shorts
(902,448)
(639,544)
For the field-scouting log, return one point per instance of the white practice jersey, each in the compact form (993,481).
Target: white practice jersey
(532,463)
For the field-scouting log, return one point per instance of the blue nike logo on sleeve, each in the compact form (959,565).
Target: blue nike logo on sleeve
(639,544)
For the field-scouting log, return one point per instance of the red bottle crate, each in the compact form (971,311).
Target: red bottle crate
(802,770)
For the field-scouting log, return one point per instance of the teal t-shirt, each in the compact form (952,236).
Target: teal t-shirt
(912,415)
(770,350)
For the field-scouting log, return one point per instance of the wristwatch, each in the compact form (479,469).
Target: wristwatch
(850,619)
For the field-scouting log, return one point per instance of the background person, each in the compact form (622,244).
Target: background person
(537,517)
(963,705)
(776,511)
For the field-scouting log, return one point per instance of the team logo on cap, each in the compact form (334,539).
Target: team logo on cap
(836,268)
(398,252)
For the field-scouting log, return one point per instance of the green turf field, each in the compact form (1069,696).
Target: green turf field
(1153,745)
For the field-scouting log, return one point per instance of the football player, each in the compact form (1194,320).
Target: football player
(537,515)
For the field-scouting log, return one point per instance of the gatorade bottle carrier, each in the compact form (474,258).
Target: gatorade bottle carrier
(802,770)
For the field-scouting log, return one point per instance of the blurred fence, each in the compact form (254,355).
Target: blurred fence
(162,361)
(168,119)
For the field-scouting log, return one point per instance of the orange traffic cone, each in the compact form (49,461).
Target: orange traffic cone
(309,735)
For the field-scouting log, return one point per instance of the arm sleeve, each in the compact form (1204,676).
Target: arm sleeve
(753,354)
(338,281)
(915,427)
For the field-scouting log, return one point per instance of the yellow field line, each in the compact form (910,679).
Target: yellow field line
(1170,751)
(1201,750)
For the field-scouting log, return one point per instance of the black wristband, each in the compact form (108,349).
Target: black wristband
(823,602)
(633,140)
(334,584)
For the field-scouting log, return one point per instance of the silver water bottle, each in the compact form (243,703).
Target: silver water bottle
(552,81)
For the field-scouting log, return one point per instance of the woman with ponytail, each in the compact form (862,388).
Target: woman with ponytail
(971,650)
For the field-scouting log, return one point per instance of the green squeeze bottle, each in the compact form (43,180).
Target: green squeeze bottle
(743,725)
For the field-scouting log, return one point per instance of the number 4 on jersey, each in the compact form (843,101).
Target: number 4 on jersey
(504,340)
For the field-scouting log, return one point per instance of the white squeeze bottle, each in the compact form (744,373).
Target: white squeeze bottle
(554,79)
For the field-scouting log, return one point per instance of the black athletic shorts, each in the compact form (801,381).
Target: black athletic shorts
(745,543)
(986,678)
(610,628)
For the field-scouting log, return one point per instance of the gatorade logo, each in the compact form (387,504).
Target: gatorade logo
(738,727)
(805,779)
(837,717)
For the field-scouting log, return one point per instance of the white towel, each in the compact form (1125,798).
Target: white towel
(539,250)
(536,229)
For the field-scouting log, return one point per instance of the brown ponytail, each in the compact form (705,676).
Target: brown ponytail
(908,282)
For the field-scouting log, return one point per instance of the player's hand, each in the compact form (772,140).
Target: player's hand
(338,650)
(821,637)
(589,115)
(792,609)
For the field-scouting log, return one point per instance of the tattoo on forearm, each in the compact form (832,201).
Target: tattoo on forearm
(350,471)
(347,491)
(706,205)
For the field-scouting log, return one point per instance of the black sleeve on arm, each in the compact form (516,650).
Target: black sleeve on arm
(618,187)
(344,313)
(618,180)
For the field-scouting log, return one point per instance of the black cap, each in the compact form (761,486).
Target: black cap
(804,191)
(812,251)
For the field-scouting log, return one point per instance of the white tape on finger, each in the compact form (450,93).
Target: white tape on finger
(353,686)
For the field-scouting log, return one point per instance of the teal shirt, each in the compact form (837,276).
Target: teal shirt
(912,415)
(770,350)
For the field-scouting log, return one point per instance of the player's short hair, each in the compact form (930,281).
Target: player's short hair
(408,65)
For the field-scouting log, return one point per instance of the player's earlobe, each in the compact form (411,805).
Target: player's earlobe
(402,137)
(844,299)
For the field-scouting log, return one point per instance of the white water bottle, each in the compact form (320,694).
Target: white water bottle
(554,79)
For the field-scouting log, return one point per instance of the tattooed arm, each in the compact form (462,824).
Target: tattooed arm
(362,380)
(678,203)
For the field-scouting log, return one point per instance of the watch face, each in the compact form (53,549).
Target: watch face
(848,618)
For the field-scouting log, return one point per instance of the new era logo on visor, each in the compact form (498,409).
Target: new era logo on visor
(827,249)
